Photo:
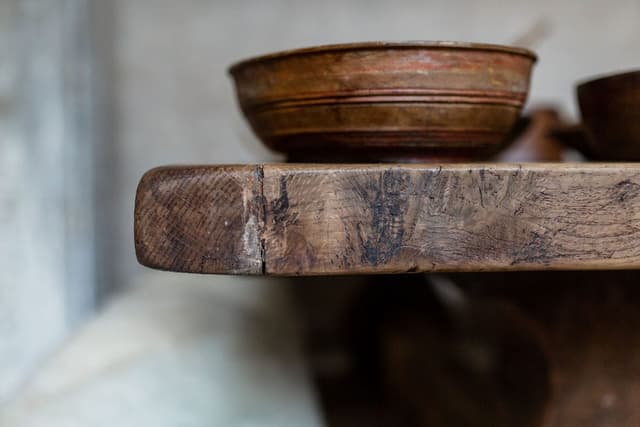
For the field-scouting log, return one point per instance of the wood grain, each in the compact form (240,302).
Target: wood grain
(348,219)
(200,219)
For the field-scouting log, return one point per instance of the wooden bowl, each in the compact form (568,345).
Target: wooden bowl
(610,109)
(422,100)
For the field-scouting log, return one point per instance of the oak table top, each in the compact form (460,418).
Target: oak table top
(305,219)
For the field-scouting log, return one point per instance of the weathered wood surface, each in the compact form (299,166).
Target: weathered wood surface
(345,219)
(200,219)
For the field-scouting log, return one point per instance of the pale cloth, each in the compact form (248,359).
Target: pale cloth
(177,350)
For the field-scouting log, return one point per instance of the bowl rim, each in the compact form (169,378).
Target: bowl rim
(606,77)
(372,45)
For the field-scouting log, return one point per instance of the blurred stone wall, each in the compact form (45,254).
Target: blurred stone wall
(48,131)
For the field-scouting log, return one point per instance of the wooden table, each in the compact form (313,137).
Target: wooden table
(333,219)
(299,219)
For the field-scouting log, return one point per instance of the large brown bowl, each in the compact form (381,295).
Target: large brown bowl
(610,109)
(428,100)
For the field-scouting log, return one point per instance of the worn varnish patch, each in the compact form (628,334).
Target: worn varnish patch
(338,219)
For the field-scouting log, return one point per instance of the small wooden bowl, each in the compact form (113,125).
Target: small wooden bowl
(420,100)
(610,109)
